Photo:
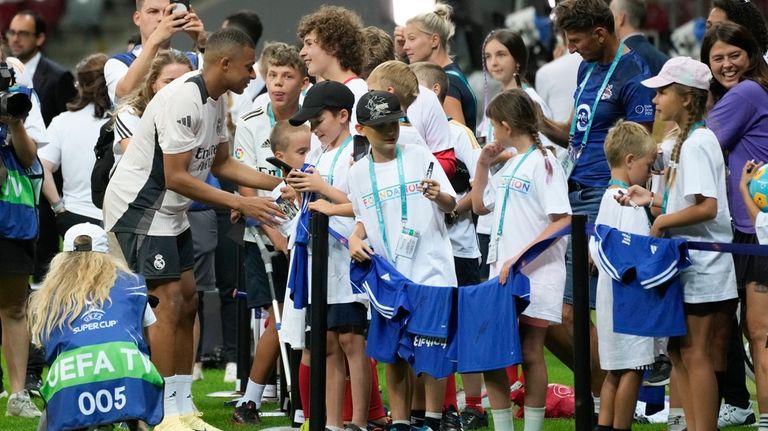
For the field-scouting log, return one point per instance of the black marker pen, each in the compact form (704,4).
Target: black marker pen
(428,176)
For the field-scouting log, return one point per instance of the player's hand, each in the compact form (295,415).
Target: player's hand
(309,181)
(262,209)
(748,171)
(194,26)
(430,188)
(322,206)
(399,36)
(635,196)
(234,216)
(170,24)
(489,153)
(358,249)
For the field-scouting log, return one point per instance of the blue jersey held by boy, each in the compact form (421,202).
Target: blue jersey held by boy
(100,372)
(647,291)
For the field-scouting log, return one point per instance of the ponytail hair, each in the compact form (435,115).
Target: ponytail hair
(517,109)
(696,111)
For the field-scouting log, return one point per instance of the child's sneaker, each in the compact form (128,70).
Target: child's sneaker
(21,405)
(676,423)
(172,423)
(733,416)
(230,372)
(660,372)
(451,420)
(473,418)
(197,372)
(193,421)
(247,414)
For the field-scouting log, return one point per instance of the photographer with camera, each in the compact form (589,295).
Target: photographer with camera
(21,176)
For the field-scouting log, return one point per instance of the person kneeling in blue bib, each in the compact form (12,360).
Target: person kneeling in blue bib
(89,316)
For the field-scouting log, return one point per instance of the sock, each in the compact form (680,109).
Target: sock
(512,374)
(432,420)
(621,429)
(502,419)
(304,388)
(534,418)
(376,408)
(604,428)
(417,418)
(169,397)
(184,394)
(596,402)
(253,392)
(475,403)
(450,393)
(762,423)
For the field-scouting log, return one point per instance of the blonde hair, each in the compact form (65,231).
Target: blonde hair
(696,111)
(400,77)
(283,132)
(139,98)
(75,280)
(437,22)
(625,138)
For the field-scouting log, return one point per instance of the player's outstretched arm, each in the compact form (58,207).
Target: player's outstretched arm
(226,168)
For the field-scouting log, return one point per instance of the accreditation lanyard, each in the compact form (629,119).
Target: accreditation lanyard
(489,136)
(377,199)
(500,230)
(598,96)
(618,183)
(271,115)
(668,184)
(335,158)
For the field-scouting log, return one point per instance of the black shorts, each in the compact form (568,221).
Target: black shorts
(256,282)
(158,257)
(343,318)
(17,256)
(707,308)
(749,268)
(467,270)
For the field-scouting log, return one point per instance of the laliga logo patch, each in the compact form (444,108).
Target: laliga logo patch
(607,93)
(239,154)
(583,112)
(377,106)
(159,263)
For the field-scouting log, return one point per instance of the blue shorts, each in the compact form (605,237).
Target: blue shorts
(585,201)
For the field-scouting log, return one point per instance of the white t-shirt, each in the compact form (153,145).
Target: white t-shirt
(33,124)
(358,86)
(462,232)
(556,83)
(532,200)
(339,287)
(426,114)
(126,122)
(618,351)
(761,228)
(410,136)
(701,171)
(71,137)
(432,262)
(180,118)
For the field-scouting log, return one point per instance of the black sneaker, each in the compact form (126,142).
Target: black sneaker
(660,370)
(247,414)
(473,419)
(32,384)
(451,421)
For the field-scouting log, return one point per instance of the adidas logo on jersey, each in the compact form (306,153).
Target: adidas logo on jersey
(185,121)
(626,238)
(653,249)
(265,144)
(385,277)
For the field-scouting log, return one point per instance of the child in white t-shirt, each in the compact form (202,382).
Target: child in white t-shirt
(630,152)
(529,201)
(694,207)
(401,214)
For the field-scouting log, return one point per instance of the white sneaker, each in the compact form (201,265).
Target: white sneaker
(732,415)
(197,372)
(193,421)
(270,393)
(21,405)
(676,423)
(230,373)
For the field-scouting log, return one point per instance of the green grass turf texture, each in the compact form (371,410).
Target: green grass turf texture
(219,415)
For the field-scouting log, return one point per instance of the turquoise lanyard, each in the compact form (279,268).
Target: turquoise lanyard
(335,158)
(693,128)
(598,96)
(618,183)
(506,191)
(377,199)
(271,115)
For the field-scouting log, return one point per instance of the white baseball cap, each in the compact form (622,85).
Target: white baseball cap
(97,235)
(681,70)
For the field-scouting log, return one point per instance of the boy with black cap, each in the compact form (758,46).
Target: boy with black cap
(328,108)
(400,195)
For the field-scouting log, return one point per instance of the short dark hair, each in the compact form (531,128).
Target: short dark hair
(225,42)
(583,15)
(247,21)
(40,25)
(747,14)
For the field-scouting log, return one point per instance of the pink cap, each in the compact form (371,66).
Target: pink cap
(681,70)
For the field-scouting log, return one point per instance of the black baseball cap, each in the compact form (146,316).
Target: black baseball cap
(378,107)
(323,95)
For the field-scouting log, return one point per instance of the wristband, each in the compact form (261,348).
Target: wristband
(58,207)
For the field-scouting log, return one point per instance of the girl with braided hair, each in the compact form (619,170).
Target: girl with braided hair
(532,186)
(694,207)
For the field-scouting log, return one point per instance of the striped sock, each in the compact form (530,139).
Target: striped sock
(762,424)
